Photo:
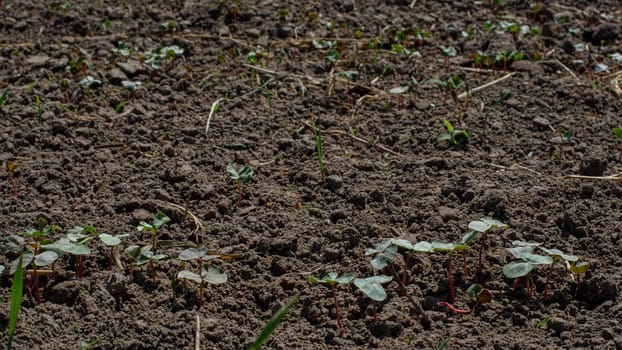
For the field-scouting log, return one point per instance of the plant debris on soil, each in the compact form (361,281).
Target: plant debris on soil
(114,111)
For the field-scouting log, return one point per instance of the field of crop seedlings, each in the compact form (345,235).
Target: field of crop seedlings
(393,174)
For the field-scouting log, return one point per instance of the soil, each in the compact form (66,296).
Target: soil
(107,157)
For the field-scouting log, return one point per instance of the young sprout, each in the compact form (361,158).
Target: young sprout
(478,294)
(142,255)
(207,272)
(240,176)
(10,167)
(73,244)
(386,251)
(318,147)
(454,137)
(331,280)
(449,249)
(448,52)
(557,255)
(579,268)
(482,227)
(372,288)
(399,91)
(33,253)
(3,96)
(525,263)
(108,240)
(160,219)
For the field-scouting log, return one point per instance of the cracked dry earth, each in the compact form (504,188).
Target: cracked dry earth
(108,157)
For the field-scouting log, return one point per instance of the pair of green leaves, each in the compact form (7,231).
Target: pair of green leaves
(482,226)
(454,137)
(242,175)
(370,286)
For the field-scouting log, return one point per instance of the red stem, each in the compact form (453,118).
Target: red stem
(12,181)
(465,270)
(339,324)
(79,266)
(454,309)
(239,194)
(373,306)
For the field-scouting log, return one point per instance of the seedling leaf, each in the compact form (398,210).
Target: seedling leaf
(3,96)
(444,343)
(45,258)
(516,269)
(160,219)
(192,254)
(544,321)
(618,132)
(214,275)
(372,286)
(274,322)
(479,226)
(189,275)
(16,301)
(423,246)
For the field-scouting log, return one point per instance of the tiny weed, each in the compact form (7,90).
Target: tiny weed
(241,176)
(331,280)
(454,137)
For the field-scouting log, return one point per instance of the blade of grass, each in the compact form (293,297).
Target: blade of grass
(16,300)
(318,145)
(444,343)
(273,323)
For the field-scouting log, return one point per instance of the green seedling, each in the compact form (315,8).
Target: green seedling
(399,92)
(241,176)
(448,52)
(579,268)
(207,272)
(160,219)
(17,288)
(449,249)
(332,280)
(372,288)
(158,58)
(525,263)
(544,321)
(90,81)
(123,49)
(318,147)
(478,294)
(108,240)
(482,227)
(454,137)
(508,56)
(385,252)
(73,244)
(557,255)
(3,96)
(274,322)
(31,253)
(142,255)
(10,167)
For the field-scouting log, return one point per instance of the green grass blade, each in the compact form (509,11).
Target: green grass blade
(273,323)
(16,300)
(444,343)
(3,96)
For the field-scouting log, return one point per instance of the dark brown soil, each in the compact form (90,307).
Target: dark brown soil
(108,158)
